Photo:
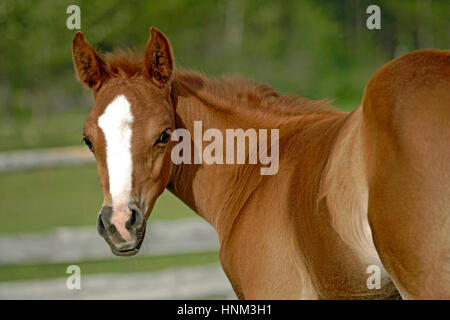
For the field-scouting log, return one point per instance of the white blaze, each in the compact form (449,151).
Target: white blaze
(116,122)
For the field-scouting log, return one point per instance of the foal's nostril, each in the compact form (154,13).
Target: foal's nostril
(104,221)
(100,225)
(133,217)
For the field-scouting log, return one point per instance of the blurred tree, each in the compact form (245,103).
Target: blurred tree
(313,48)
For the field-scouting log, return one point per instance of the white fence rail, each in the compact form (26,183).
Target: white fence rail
(83,244)
(19,160)
(186,283)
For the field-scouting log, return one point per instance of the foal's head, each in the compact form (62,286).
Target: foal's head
(128,131)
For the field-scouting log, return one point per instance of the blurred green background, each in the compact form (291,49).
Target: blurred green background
(314,48)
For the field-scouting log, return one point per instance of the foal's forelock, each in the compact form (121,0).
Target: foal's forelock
(116,124)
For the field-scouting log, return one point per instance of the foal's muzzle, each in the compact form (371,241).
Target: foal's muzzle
(135,226)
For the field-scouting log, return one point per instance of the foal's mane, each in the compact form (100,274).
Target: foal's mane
(226,92)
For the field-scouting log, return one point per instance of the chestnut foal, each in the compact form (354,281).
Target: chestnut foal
(359,191)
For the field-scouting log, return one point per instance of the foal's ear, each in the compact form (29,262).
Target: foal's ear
(90,68)
(158,58)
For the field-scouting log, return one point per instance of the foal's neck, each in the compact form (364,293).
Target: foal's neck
(217,192)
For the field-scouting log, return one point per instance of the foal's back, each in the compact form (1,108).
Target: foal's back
(407,112)
(382,200)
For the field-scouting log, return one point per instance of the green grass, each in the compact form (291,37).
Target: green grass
(64,197)
(119,265)
(55,130)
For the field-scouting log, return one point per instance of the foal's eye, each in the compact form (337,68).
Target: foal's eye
(88,142)
(164,137)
